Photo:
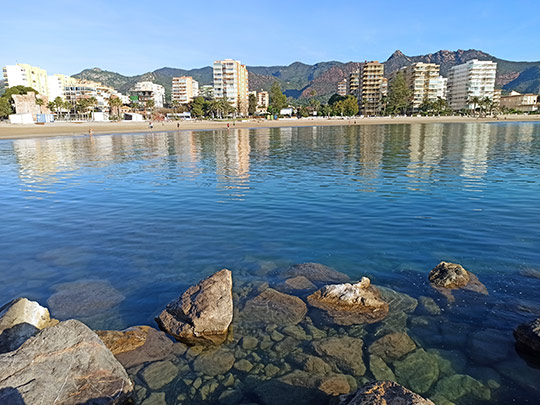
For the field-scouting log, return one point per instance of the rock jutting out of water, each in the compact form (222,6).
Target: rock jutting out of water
(383,393)
(447,276)
(527,336)
(350,304)
(66,363)
(272,306)
(203,313)
(316,273)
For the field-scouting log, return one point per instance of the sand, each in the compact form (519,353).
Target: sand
(10,131)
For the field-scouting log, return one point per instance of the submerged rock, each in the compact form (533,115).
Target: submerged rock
(383,393)
(528,337)
(350,304)
(343,354)
(297,284)
(459,385)
(316,272)
(380,369)
(156,346)
(214,362)
(272,306)
(447,276)
(418,371)
(19,320)
(66,363)
(203,313)
(392,346)
(157,375)
(83,299)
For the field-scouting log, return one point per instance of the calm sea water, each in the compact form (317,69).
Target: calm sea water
(153,213)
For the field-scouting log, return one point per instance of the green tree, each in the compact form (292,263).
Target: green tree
(18,90)
(115,103)
(197,107)
(335,99)
(278,100)
(252,104)
(475,101)
(350,106)
(5,107)
(399,95)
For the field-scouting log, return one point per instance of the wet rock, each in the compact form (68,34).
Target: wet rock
(312,364)
(316,272)
(297,284)
(157,375)
(343,354)
(243,365)
(450,361)
(286,346)
(350,304)
(155,398)
(315,332)
(295,331)
(395,322)
(19,320)
(531,273)
(271,370)
(380,369)
(230,397)
(294,388)
(249,343)
(83,299)
(272,306)
(397,301)
(489,346)
(214,362)
(157,346)
(446,277)
(276,336)
(392,346)
(527,336)
(203,313)
(458,385)
(429,306)
(383,393)
(66,363)
(207,390)
(418,370)
(124,341)
(335,384)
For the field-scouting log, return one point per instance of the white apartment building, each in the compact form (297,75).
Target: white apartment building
(472,79)
(231,82)
(184,89)
(23,74)
(145,91)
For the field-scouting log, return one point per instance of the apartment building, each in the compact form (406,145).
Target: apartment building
(425,82)
(207,91)
(143,92)
(57,84)
(184,89)
(23,74)
(371,88)
(470,80)
(353,83)
(342,87)
(231,82)
(520,102)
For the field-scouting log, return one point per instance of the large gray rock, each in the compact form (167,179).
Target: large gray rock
(272,306)
(316,272)
(19,320)
(64,364)
(203,313)
(528,336)
(350,304)
(383,393)
(447,276)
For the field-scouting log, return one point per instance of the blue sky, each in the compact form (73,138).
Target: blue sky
(132,37)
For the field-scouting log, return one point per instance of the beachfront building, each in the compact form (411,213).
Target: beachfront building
(57,84)
(474,80)
(206,91)
(353,83)
(263,99)
(87,89)
(342,87)
(143,92)
(371,88)
(23,74)
(184,89)
(231,83)
(424,80)
(520,102)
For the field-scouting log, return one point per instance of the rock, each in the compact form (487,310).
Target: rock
(392,346)
(335,384)
(155,398)
(383,393)
(83,299)
(418,371)
(451,276)
(66,363)
(527,336)
(157,346)
(350,304)
(312,364)
(19,320)
(272,306)
(397,301)
(295,331)
(157,375)
(243,365)
(297,284)
(276,336)
(317,273)
(459,385)
(531,273)
(429,306)
(214,362)
(249,343)
(295,388)
(489,346)
(207,390)
(203,313)
(286,346)
(343,354)
(450,361)
(124,341)
(380,369)
(271,370)
(230,397)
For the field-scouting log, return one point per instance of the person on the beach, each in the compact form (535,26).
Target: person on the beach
(150,125)
(90,132)
(177,125)
(228,126)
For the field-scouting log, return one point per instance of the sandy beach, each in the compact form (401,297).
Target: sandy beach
(10,131)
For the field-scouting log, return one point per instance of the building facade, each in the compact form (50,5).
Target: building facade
(371,88)
(520,102)
(342,88)
(23,74)
(474,79)
(143,92)
(231,82)
(184,89)
(353,83)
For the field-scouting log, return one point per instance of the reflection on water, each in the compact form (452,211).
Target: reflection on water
(151,214)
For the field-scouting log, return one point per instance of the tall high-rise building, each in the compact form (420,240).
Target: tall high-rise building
(342,88)
(353,83)
(143,92)
(23,74)
(371,88)
(471,80)
(57,84)
(184,89)
(231,82)
(425,82)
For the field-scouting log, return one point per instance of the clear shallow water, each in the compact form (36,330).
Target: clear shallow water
(154,213)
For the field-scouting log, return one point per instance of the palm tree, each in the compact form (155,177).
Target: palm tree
(115,103)
(475,101)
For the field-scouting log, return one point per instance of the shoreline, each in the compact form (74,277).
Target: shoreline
(17,131)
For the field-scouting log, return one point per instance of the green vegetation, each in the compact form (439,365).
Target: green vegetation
(6,102)
(399,96)
(252,104)
(278,100)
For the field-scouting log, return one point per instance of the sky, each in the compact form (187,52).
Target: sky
(134,37)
